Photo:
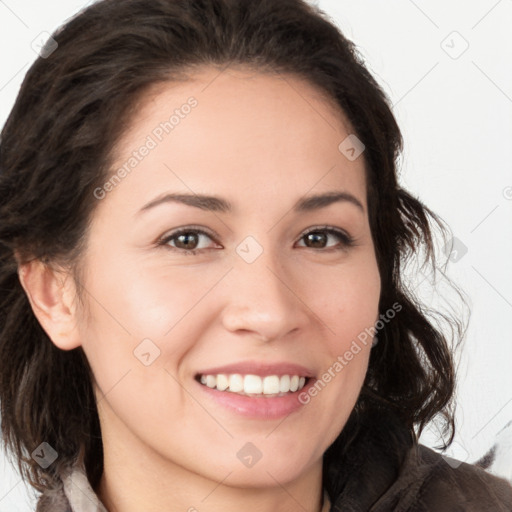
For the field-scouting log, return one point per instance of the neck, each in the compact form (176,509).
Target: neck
(138,479)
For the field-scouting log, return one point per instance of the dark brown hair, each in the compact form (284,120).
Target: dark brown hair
(56,148)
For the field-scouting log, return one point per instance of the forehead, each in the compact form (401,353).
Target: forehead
(236,129)
(235,83)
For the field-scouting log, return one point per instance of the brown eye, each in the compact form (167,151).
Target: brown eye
(316,239)
(186,241)
(319,239)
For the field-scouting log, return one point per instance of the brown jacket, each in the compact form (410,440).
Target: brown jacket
(377,467)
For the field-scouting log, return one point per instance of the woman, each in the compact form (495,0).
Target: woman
(201,246)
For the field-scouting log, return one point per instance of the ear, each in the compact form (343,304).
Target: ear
(51,294)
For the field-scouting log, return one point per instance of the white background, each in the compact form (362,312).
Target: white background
(455,111)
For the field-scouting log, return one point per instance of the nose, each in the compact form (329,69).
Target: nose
(263,299)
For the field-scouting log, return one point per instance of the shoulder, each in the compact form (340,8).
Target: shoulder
(380,467)
(447,485)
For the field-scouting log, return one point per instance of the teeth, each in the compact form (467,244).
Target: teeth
(211,381)
(294,383)
(284,384)
(254,384)
(236,383)
(271,385)
(222,382)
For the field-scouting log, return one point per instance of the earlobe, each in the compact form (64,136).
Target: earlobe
(51,295)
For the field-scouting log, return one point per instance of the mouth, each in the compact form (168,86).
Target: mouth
(257,390)
(251,385)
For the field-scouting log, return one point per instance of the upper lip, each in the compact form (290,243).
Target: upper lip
(262,369)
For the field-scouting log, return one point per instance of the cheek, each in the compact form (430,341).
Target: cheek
(349,311)
(142,321)
(137,301)
(349,308)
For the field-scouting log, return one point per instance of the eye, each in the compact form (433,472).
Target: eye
(186,240)
(318,238)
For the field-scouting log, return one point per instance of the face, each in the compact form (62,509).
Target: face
(255,284)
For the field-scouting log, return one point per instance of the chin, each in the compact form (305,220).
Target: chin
(278,471)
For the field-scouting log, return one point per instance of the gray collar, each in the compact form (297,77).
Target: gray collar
(79,492)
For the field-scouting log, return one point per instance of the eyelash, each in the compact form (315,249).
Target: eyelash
(190,230)
(346,240)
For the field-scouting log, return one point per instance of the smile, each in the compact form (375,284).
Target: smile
(253,385)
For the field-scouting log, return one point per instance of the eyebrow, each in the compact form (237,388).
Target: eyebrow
(218,204)
(208,203)
(307,204)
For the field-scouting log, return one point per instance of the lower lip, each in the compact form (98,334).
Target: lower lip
(258,407)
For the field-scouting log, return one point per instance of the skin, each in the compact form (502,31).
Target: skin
(262,142)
